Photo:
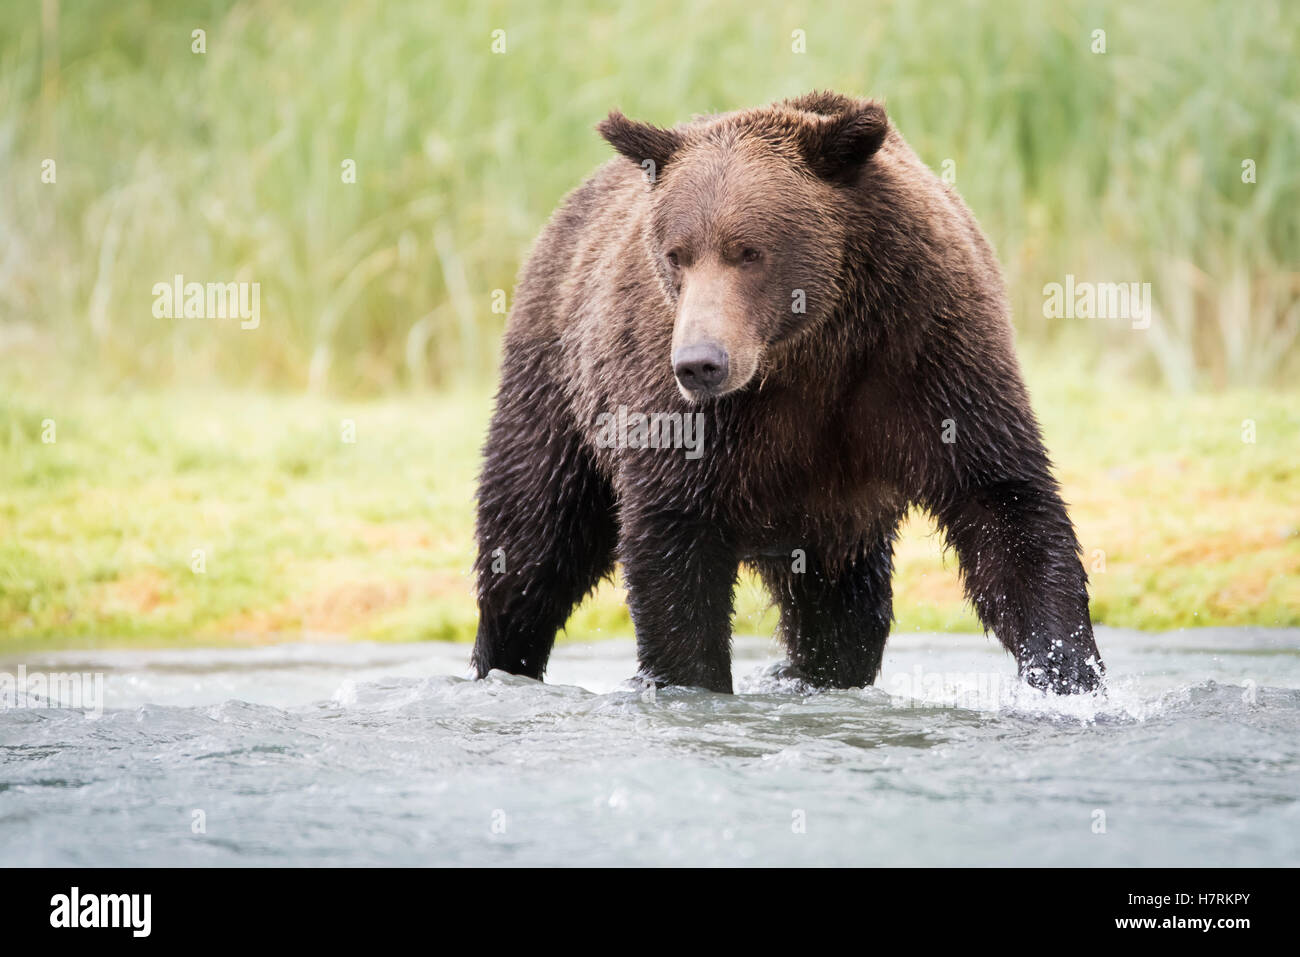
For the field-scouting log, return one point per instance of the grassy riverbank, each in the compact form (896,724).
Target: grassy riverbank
(195,517)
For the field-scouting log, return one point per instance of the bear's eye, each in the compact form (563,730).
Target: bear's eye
(674,258)
(750,255)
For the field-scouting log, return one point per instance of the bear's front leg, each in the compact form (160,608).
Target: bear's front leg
(546,528)
(835,610)
(680,573)
(1020,564)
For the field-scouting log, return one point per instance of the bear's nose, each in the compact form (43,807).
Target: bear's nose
(701,367)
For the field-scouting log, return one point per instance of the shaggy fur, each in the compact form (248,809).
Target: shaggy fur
(837,430)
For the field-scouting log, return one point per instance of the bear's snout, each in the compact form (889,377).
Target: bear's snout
(702,367)
(715,345)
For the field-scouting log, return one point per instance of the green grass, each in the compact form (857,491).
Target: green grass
(177,435)
(305,535)
(1121,166)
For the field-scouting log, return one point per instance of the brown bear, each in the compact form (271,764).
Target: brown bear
(792,281)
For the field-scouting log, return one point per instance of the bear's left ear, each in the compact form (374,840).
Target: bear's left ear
(837,145)
(640,141)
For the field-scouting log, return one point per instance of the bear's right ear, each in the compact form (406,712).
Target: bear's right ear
(640,141)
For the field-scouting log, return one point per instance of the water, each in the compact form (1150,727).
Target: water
(381,754)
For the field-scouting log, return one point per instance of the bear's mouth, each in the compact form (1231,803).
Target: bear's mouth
(709,396)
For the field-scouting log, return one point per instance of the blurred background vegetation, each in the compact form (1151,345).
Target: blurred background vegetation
(376,296)
(1119,166)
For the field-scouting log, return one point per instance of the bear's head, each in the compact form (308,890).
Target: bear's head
(747,226)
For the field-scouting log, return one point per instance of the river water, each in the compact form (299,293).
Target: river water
(386,754)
